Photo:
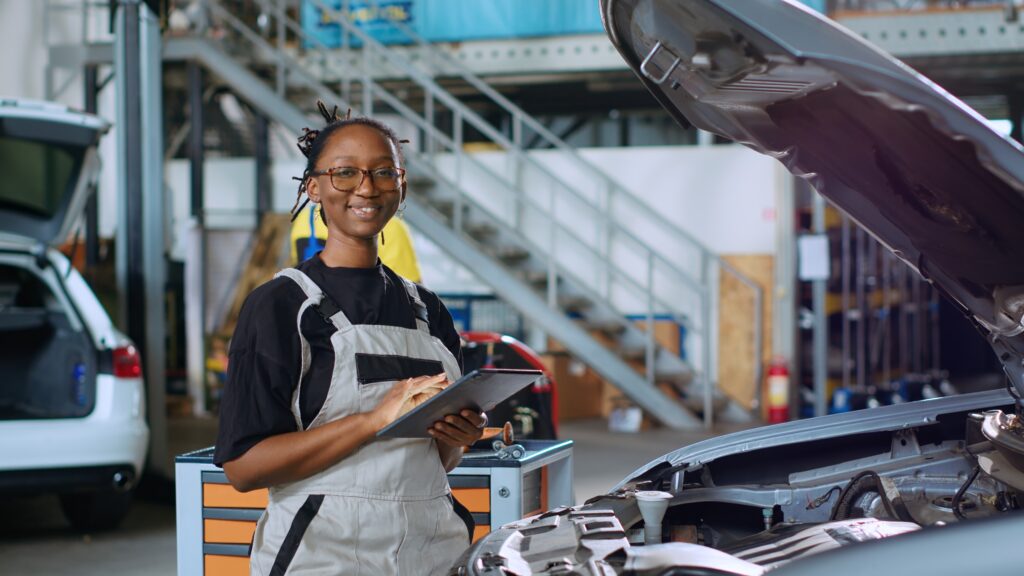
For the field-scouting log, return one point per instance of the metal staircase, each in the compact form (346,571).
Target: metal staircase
(568,247)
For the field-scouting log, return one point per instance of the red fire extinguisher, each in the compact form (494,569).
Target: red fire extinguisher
(778,391)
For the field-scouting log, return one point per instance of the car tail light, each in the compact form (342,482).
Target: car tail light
(126,362)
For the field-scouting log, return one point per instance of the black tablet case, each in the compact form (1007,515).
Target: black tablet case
(479,390)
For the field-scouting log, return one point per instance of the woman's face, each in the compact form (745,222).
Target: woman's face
(361,213)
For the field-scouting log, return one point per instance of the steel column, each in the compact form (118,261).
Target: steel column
(819,288)
(132,283)
(92,229)
(154,261)
(264,198)
(195,262)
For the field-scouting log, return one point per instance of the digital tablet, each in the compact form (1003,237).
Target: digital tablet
(480,390)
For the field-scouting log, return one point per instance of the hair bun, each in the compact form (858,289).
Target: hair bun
(305,142)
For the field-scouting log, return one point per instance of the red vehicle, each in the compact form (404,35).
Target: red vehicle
(533,412)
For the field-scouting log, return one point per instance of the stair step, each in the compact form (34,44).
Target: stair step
(574,303)
(445,207)
(421,184)
(511,254)
(678,379)
(536,278)
(481,231)
(609,328)
(632,353)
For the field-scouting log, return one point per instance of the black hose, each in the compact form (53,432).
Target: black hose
(960,494)
(863,483)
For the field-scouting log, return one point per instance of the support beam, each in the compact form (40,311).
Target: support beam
(130,238)
(154,259)
(1016,105)
(140,239)
(90,75)
(195,261)
(819,289)
(264,198)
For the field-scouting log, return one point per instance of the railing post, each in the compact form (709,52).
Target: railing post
(709,408)
(552,291)
(281,31)
(346,56)
(649,351)
(429,144)
(459,155)
(608,227)
(516,156)
(367,90)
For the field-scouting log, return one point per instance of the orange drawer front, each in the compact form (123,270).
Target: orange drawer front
(228,531)
(224,496)
(214,565)
(480,531)
(474,499)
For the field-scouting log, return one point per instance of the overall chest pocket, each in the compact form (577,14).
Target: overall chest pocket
(376,368)
(376,372)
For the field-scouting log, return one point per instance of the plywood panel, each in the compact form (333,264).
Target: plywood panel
(224,496)
(215,565)
(736,354)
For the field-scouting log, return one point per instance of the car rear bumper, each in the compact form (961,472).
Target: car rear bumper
(86,478)
(113,435)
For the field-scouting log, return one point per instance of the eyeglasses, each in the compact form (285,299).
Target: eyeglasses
(348,178)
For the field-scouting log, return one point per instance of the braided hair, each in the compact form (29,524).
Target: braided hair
(312,143)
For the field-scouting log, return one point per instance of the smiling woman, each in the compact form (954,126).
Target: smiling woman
(299,414)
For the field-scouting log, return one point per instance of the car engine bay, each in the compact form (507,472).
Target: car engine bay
(754,511)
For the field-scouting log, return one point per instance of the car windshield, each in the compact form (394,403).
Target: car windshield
(35,175)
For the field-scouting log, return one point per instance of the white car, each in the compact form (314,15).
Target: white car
(72,400)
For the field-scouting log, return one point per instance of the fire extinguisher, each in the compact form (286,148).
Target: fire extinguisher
(778,391)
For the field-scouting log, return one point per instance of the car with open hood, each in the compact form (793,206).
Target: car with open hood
(931,487)
(72,401)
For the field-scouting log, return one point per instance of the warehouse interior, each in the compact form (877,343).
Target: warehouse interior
(672,285)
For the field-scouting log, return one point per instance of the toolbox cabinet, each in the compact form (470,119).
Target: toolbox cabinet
(215,523)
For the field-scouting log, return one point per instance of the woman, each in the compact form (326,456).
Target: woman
(323,357)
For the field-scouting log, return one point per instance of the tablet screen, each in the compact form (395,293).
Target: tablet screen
(480,390)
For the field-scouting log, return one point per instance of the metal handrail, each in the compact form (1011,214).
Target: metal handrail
(374,91)
(492,133)
(478,123)
(864,6)
(521,117)
(370,87)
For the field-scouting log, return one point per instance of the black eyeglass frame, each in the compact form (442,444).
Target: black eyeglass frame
(362,176)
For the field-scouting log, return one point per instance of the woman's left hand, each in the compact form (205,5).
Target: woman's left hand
(457,430)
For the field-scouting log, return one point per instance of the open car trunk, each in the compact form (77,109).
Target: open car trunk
(48,368)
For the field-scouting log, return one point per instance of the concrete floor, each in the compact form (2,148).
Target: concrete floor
(34,539)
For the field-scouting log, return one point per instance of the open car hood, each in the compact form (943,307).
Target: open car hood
(47,162)
(913,165)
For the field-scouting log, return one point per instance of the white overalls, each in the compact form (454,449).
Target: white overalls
(384,509)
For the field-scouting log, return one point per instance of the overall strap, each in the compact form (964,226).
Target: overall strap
(418,307)
(324,305)
(328,310)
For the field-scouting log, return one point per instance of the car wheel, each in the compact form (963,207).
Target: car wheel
(96,511)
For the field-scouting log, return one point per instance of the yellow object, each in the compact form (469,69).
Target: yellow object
(396,252)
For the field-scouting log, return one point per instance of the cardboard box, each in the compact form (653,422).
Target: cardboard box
(580,389)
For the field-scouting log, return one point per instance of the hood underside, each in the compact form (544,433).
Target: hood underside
(913,165)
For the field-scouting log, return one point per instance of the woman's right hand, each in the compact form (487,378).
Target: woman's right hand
(405,395)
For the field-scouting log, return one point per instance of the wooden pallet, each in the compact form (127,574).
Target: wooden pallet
(266,259)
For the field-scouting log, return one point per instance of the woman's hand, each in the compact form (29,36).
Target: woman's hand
(458,430)
(406,395)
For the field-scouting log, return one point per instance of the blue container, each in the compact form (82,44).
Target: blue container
(452,20)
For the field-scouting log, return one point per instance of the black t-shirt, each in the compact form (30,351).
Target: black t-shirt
(264,360)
